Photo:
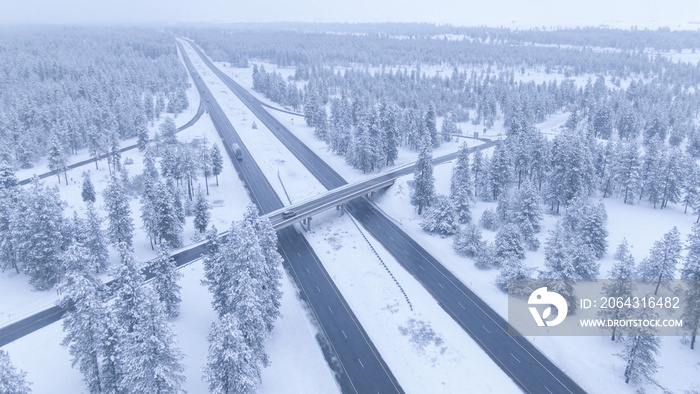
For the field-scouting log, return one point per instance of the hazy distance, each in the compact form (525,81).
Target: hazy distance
(676,14)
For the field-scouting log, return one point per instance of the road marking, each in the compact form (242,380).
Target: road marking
(307,270)
(346,337)
(363,366)
(487,330)
(460,304)
(391,238)
(317,288)
(440,284)
(516,359)
(329,308)
(548,390)
(298,254)
(421,267)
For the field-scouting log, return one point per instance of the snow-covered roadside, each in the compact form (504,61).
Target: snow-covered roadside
(590,361)
(19,298)
(425,348)
(446,361)
(296,362)
(271,155)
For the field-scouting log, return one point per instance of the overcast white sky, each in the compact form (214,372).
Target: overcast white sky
(513,13)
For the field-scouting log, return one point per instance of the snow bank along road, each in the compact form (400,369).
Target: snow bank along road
(527,366)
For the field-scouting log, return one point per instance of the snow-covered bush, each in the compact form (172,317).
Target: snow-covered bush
(512,268)
(441,218)
(484,257)
(468,241)
(489,220)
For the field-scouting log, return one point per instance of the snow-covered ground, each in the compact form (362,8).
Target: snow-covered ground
(19,299)
(590,361)
(297,364)
(446,361)
(296,361)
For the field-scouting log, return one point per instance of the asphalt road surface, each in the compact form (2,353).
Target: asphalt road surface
(350,353)
(516,356)
(347,347)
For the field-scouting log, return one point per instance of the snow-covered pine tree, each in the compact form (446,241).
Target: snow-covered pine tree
(641,348)
(270,274)
(130,298)
(508,244)
(389,124)
(40,235)
(170,214)
(121,226)
(621,285)
(691,311)
(691,273)
(57,161)
(202,211)
(12,380)
(205,164)
(627,171)
(478,170)
(93,239)
(423,186)
(499,172)
(559,273)
(231,367)
(512,268)
(489,220)
(527,213)
(84,320)
(441,217)
(152,362)
(672,178)
(468,241)
(218,276)
(691,266)
(167,130)
(652,175)
(142,136)
(461,186)
(663,258)
(431,126)
(88,191)
(587,221)
(217,162)
(244,296)
(165,283)
(691,184)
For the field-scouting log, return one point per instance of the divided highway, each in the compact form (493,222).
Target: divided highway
(517,357)
(352,355)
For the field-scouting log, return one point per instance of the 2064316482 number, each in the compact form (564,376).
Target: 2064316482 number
(639,302)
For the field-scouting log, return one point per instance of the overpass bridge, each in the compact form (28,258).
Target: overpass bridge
(302,211)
